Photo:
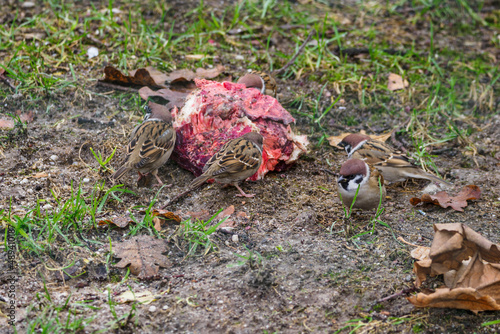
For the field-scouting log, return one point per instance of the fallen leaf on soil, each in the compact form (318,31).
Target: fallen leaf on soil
(470,265)
(174,98)
(166,215)
(120,221)
(188,75)
(470,192)
(144,297)
(143,254)
(141,77)
(396,82)
(162,215)
(201,215)
(10,123)
(226,212)
(335,140)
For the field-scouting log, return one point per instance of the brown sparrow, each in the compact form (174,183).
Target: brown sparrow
(261,81)
(356,173)
(237,160)
(391,163)
(151,143)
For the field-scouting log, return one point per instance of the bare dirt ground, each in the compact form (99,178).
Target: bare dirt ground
(312,276)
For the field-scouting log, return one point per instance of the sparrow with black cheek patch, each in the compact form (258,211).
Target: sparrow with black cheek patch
(151,143)
(356,173)
(236,161)
(261,81)
(392,164)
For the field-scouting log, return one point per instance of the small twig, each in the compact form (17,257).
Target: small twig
(117,87)
(176,198)
(299,51)
(403,292)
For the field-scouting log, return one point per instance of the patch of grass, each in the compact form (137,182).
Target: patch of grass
(197,234)
(63,220)
(252,258)
(52,317)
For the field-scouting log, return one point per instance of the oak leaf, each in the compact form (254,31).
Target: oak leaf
(470,192)
(143,254)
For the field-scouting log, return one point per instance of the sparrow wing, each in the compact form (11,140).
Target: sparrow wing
(150,142)
(237,156)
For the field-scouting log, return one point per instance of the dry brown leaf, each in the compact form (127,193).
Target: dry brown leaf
(144,255)
(470,192)
(141,77)
(335,140)
(470,265)
(157,223)
(10,123)
(396,82)
(158,77)
(226,212)
(175,98)
(201,215)
(188,75)
(461,298)
(120,221)
(166,215)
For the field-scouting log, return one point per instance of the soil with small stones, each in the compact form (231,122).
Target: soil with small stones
(308,273)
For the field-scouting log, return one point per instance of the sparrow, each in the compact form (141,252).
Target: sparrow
(356,173)
(151,143)
(261,81)
(392,164)
(236,161)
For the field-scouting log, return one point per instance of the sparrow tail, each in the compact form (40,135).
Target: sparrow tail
(431,177)
(119,173)
(198,182)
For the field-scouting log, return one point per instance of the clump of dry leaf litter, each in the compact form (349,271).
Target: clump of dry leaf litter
(470,265)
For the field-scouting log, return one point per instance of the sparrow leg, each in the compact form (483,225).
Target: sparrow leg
(242,193)
(160,183)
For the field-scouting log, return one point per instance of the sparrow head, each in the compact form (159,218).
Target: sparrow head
(352,142)
(253,80)
(158,111)
(353,173)
(255,138)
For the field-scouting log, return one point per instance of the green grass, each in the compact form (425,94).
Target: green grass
(45,55)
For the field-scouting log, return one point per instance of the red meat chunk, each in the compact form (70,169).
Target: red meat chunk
(217,112)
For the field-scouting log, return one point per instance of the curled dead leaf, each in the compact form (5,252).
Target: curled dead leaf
(174,98)
(166,215)
(470,192)
(140,77)
(335,140)
(188,75)
(120,221)
(470,265)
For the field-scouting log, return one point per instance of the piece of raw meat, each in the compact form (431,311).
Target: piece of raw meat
(217,112)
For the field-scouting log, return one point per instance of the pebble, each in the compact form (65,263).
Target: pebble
(47,206)
(23,181)
(235,238)
(54,157)
(239,57)
(152,309)
(86,180)
(165,307)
